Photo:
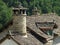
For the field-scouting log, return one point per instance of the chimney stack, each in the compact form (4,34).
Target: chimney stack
(35,11)
(19,21)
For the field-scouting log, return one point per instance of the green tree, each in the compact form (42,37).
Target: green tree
(5,14)
(45,6)
(56,6)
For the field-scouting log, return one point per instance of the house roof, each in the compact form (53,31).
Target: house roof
(31,40)
(31,20)
(3,35)
(8,39)
(45,25)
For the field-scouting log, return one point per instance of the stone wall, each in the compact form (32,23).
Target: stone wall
(19,24)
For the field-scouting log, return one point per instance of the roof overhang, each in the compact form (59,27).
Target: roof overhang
(45,25)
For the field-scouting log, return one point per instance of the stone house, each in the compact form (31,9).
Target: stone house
(31,30)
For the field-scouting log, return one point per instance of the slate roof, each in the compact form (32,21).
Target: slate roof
(45,25)
(31,40)
(31,20)
(3,34)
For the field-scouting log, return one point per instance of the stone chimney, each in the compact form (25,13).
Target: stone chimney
(19,22)
(35,11)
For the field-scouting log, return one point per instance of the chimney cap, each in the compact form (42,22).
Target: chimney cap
(19,8)
(35,9)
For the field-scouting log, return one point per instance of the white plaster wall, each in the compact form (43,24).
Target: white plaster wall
(8,42)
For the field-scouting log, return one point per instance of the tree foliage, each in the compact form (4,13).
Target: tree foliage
(45,6)
(5,14)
